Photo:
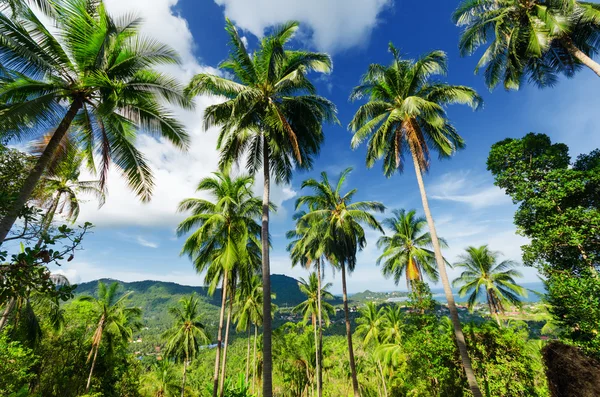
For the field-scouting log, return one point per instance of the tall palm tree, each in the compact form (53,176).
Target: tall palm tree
(187,334)
(92,72)
(408,250)
(225,241)
(308,249)
(161,381)
(533,38)
(113,318)
(315,309)
(343,233)
(405,113)
(272,117)
(248,312)
(484,275)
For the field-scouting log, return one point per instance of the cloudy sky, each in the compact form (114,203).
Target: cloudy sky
(133,241)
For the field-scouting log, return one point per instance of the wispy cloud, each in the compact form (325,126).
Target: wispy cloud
(467,188)
(145,243)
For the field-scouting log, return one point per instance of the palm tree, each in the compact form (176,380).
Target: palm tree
(392,324)
(225,241)
(370,324)
(343,233)
(483,274)
(187,334)
(534,38)
(113,318)
(308,248)
(91,75)
(408,250)
(405,112)
(272,117)
(248,312)
(310,308)
(161,381)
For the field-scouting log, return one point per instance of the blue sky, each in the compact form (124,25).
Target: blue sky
(134,241)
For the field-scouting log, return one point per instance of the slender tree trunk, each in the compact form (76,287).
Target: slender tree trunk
(385,393)
(581,56)
(89,381)
(248,355)
(266,278)
(224,361)
(316,335)
(219,335)
(320,341)
(458,333)
(254,359)
(36,173)
(349,335)
(9,307)
(185,364)
(47,221)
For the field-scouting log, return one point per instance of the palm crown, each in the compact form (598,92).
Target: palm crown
(187,334)
(309,308)
(99,70)
(408,250)
(269,97)
(405,111)
(484,275)
(535,39)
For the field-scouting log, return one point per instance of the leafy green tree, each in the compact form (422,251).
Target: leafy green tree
(187,334)
(534,39)
(407,251)
(272,117)
(342,225)
(370,324)
(16,362)
(483,275)
(113,319)
(91,75)
(225,240)
(405,113)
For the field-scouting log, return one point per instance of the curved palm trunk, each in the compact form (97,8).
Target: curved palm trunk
(493,307)
(224,361)
(185,364)
(36,173)
(316,335)
(248,356)
(458,333)
(319,345)
(385,393)
(266,278)
(581,56)
(219,335)
(349,335)
(7,310)
(89,381)
(96,340)
(47,221)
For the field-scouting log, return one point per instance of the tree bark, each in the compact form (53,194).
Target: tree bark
(89,382)
(219,335)
(266,277)
(185,364)
(248,355)
(316,335)
(319,346)
(47,221)
(458,333)
(581,56)
(9,307)
(385,393)
(349,335)
(254,359)
(36,173)
(224,361)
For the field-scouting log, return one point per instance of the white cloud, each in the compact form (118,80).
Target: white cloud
(463,187)
(335,24)
(145,243)
(176,174)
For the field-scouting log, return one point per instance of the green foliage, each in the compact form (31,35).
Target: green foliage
(16,362)
(187,333)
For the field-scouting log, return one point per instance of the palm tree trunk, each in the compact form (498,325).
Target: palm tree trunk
(89,381)
(36,173)
(349,335)
(320,341)
(219,335)
(581,56)
(385,393)
(316,335)
(266,277)
(9,307)
(47,221)
(224,361)
(458,333)
(248,355)
(254,359)
(185,364)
